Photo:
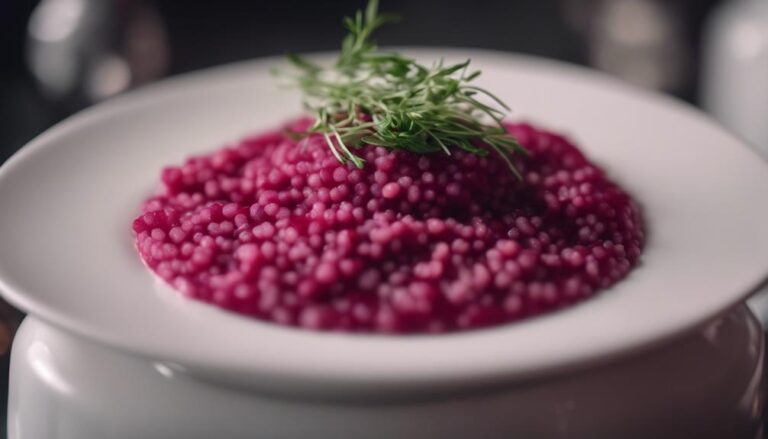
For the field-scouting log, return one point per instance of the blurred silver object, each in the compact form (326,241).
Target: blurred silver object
(640,41)
(83,51)
(735,74)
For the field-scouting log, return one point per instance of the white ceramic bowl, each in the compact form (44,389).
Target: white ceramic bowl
(67,256)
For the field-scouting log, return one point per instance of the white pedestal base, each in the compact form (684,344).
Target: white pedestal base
(706,384)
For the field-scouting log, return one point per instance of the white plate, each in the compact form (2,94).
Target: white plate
(68,198)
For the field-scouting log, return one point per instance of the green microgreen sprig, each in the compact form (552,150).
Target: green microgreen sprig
(383,98)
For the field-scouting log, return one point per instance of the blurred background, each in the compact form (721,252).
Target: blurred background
(62,55)
(59,56)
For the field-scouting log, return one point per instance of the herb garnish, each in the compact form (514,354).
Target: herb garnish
(383,98)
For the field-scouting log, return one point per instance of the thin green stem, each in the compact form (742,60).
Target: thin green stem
(386,99)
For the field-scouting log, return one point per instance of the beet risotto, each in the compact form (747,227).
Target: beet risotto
(280,230)
(403,205)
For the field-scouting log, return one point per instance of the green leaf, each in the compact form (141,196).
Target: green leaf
(302,63)
(371,11)
(472,76)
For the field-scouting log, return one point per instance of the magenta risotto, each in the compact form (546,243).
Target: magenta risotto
(403,205)
(279,230)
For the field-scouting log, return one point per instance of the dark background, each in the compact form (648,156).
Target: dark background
(206,33)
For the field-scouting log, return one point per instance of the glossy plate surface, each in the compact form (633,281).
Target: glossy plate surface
(68,198)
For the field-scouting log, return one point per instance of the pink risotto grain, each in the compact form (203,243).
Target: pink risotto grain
(279,230)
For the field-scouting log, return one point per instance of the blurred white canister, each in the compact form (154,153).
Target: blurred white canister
(735,74)
(735,82)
